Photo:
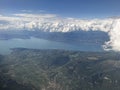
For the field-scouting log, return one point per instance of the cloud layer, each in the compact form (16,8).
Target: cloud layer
(54,23)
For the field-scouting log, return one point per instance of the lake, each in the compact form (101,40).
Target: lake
(36,43)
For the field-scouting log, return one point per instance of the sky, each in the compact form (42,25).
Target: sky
(65,8)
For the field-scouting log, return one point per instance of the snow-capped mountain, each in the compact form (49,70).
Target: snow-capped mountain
(54,23)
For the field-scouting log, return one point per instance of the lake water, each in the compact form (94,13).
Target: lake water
(36,43)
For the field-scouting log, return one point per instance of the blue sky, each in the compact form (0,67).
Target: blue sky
(66,8)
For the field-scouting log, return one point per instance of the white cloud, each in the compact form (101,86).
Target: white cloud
(26,15)
(53,23)
(28,11)
(31,11)
(114,43)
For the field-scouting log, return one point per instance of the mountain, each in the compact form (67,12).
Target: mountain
(54,23)
(33,24)
(61,70)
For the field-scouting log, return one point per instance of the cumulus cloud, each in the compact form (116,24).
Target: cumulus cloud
(114,43)
(54,23)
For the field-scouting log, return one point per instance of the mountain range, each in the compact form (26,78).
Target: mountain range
(35,24)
